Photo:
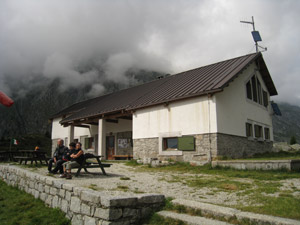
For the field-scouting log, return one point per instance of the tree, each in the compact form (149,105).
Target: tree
(293,140)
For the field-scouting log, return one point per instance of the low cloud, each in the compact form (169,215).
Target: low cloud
(91,42)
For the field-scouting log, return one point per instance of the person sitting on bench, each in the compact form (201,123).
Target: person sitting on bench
(57,158)
(77,158)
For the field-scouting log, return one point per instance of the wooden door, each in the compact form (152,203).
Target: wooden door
(110,147)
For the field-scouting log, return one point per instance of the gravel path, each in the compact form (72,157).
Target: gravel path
(127,180)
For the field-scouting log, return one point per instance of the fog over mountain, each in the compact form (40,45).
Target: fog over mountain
(88,43)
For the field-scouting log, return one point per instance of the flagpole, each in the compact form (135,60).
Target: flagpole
(10,145)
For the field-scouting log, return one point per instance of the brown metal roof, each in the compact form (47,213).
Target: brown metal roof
(196,82)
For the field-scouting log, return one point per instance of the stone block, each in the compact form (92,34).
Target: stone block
(85,209)
(68,187)
(89,220)
(64,205)
(49,200)
(47,189)
(41,188)
(146,211)
(57,184)
(43,196)
(77,190)
(36,194)
(62,193)
(55,202)
(123,222)
(36,186)
(53,191)
(75,204)
(108,214)
(68,196)
(31,184)
(118,201)
(151,198)
(42,179)
(129,212)
(77,220)
(49,181)
(91,196)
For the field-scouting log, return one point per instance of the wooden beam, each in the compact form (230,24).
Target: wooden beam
(112,121)
(85,126)
(118,115)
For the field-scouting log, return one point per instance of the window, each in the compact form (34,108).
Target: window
(265,98)
(170,143)
(258,131)
(249,131)
(249,90)
(185,143)
(253,81)
(255,92)
(267,133)
(88,143)
(259,92)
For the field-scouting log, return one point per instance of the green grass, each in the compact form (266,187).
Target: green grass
(270,156)
(284,206)
(132,163)
(159,220)
(183,167)
(262,190)
(18,207)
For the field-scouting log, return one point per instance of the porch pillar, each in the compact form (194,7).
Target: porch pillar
(70,133)
(102,138)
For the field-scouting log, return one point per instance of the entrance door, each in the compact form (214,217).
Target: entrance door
(110,147)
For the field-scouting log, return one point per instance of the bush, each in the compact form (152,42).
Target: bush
(293,140)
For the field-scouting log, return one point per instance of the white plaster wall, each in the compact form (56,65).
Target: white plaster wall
(186,117)
(121,126)
(59,131)
(234,109)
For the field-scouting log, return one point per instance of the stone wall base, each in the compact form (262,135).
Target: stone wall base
(207,147)
(83,206)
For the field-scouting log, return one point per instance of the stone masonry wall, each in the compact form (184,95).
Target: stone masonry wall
(147,149)
(206,145)
(240,147)
(83,206)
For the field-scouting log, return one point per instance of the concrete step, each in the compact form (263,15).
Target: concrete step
(191,220)
(234,214)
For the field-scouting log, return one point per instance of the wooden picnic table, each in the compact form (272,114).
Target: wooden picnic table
(98,164)
(32,156)
(8,155)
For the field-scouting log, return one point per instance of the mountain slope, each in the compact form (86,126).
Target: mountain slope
(288,124)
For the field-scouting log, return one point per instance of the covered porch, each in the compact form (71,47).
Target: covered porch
(107,135)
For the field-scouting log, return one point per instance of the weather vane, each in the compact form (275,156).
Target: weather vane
(255,35)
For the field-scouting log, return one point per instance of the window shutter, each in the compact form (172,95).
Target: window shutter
(86,143)
(186,143)
(265,97)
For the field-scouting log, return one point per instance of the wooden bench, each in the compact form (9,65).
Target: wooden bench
(86,165)
(116,157)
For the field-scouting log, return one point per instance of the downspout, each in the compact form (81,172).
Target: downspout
(209,129)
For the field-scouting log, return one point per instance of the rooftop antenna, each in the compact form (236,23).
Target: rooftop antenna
(255,35)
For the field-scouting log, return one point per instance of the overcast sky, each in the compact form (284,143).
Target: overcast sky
(43,40)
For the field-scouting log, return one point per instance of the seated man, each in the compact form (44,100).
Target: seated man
(67,154)
(57,157)
(77,157)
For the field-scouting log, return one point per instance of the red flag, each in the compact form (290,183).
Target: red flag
(5,100)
